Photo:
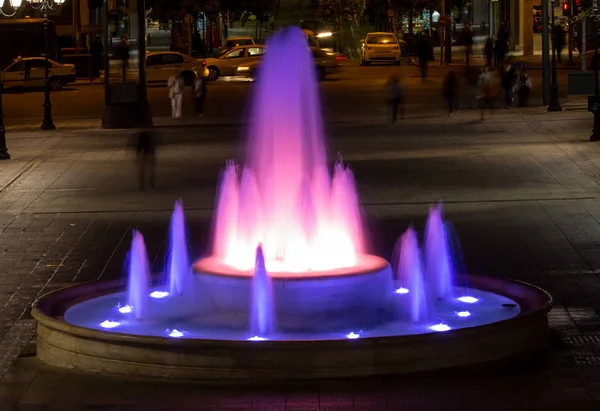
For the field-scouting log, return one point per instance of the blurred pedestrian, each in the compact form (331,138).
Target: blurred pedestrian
(199,95)
(466,39)
(524,88)
(501,46)
(489,91)
(146,157)
(96,58)
(488,50)
(122,53)
(395,97)
(424,54)
(450,92)
(558,39)
(176,86)
(508,81)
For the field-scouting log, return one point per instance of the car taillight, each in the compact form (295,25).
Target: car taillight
(204,63)
(341,58)
(395,49)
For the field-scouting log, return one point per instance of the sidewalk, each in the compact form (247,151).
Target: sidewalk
(522,191)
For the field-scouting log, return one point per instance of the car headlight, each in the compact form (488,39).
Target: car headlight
(243,68)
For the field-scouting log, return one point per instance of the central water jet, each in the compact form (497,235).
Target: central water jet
(284,196)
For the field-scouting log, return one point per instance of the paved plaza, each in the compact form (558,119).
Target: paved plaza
(522,190)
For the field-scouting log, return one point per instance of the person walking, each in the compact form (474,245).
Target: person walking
(122,53)
(501,46)
(489,91)
(96,60)
(558,39)
(146,157)
(199,95)
(176,86)
(489,52)
(450,92)
(524,88)
(508,81)
(466,39)
(395,97)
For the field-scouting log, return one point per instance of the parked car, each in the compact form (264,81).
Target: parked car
(380,47)
(326,63)
(30,72)
(228,63)
(161,65)
(236,41)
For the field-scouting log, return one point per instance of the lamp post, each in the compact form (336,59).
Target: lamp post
(596,107)
(4,155)
(554,103)
(44,6)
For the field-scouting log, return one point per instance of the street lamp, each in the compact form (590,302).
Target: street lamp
(554,103)
(4,155)
(596,107)
(44,6)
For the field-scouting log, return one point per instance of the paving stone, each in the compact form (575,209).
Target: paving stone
(522,195)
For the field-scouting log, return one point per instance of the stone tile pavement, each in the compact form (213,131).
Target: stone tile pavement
(521,190)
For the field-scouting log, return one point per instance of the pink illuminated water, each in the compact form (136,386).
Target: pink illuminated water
(139,277)
(179,262)
(410,275)
(438,259)
(284,197)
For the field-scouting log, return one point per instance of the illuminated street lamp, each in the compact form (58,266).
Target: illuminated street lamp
(4,155)
(44,6)
(14,5)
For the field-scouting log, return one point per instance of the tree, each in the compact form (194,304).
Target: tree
(262,9)
(338,11)
(175,10)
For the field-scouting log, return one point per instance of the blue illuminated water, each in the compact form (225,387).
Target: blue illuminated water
(167,316)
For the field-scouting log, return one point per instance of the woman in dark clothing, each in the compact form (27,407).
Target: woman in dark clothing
(489,52)
(451,92)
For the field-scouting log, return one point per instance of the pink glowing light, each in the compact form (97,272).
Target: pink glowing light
(284,197)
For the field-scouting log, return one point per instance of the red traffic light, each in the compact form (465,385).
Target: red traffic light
(566,9)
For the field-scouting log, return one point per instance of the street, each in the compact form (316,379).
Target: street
(355,92)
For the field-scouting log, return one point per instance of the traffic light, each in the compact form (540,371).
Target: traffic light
(566,9)
(577,7)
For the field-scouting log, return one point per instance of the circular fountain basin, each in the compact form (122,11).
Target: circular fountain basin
(345,297)
(508,319)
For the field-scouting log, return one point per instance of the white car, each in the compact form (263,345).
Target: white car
(326,63)
(231,42)
(228,63)
(160,66)
(380,47)
(31,72)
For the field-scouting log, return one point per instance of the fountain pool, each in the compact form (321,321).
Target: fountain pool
(288,290)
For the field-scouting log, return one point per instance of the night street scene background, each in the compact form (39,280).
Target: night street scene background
(299,205)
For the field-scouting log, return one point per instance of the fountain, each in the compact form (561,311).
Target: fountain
(178,264)
(139,278)
(410,277)
(289,290)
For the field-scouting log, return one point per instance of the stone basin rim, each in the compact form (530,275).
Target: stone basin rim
(366,264)
(49,309)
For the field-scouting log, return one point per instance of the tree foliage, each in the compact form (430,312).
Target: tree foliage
(260,8)
(332,10)
(174,10)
